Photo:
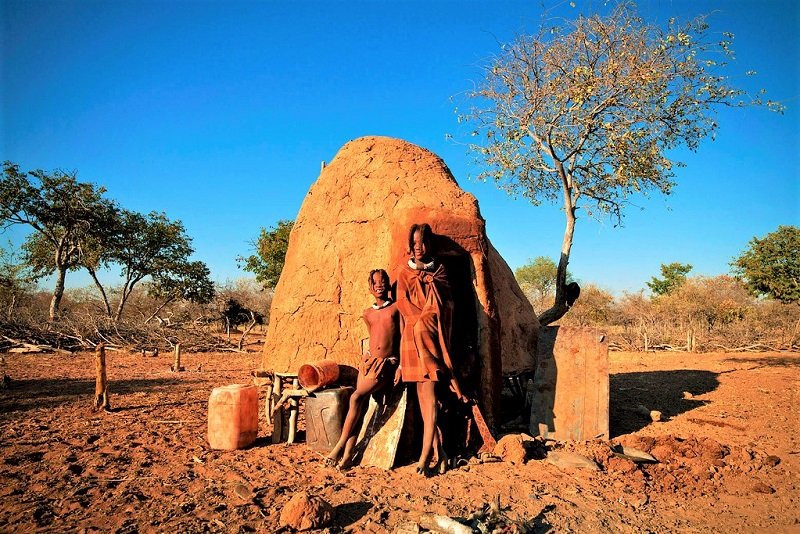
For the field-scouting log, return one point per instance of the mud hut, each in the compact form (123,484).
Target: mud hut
(356,218)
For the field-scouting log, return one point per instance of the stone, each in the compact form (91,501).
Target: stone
(633,454)
(620,465)
(760,487)
(355,218)
(305,512)
(570,460)
(511,449)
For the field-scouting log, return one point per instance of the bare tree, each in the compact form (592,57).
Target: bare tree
(585,111)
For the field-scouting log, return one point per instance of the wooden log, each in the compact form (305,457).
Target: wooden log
(288,394)
(101,381)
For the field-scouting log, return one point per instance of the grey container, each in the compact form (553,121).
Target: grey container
(325,413)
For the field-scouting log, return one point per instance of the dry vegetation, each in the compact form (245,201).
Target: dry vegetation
(705,314)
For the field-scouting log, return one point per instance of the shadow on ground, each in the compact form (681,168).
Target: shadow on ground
(349,513)
(23,395)
(769,361)
(656,390)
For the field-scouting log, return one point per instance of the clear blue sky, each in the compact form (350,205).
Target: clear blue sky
(219,114)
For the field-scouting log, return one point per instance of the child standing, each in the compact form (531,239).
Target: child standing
(378,365)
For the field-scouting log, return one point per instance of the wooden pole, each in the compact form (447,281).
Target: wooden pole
(277,416)
(294,410)
(101,382)
(176,366)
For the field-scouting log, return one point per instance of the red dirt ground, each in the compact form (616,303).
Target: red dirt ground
(729,455)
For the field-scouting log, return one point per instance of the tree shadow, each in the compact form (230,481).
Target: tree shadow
(769,361)
(539,524)
(31,394)
(349,513)
(655,390)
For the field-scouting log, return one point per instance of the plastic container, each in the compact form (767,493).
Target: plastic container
(313,376)
(325,414)
(232,417)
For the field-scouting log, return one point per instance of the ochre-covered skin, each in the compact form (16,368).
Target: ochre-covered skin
(356,218)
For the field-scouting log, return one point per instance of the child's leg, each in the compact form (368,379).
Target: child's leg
(364,387)
(426,396)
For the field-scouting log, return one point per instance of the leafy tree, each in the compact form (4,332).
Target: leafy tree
(16,281)
(771,265)
(63,213)
(673,276)
(585,112)
(271,246)
(538,279)
(148,245)
(190,281)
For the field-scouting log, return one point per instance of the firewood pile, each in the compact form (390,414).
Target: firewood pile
(69,336)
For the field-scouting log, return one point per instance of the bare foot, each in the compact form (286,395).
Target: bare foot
(442,465)
(345,464)
(423,470)
(332,459)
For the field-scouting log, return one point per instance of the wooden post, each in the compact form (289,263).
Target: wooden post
(176,366)
(277,417)
(294,409)
(101,382)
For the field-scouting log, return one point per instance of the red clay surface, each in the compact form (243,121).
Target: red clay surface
(729,455)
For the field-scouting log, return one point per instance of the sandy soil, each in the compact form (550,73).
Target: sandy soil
(729,455)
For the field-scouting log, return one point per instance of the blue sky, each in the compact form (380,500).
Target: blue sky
(219,114)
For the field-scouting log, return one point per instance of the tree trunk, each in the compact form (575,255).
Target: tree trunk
(127,289)
(247,329)
(11,306)
(102,291)
(58,292)
(560,306)
(121,305)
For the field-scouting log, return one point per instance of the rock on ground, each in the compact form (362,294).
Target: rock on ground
(304,512)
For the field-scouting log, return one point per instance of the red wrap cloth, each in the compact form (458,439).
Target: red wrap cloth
(426,311)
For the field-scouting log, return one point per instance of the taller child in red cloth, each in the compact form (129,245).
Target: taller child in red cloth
(426,310)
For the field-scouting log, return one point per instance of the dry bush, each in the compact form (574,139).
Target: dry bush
(704,314)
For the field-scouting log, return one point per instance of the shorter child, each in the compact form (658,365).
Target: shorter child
(378,364)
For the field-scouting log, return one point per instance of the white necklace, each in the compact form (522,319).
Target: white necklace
(386,303)
(421,267)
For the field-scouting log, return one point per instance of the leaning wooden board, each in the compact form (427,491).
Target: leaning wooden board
(380,432)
